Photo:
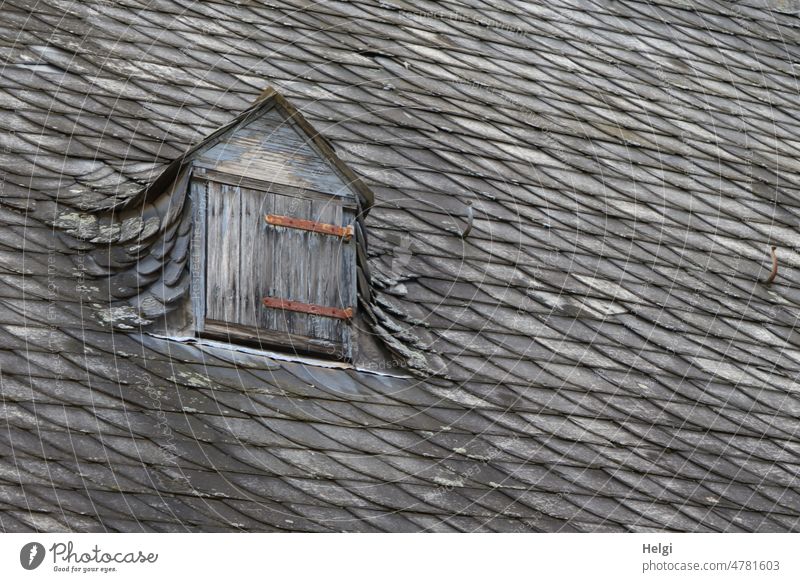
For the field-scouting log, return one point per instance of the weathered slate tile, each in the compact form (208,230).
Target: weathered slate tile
(608,356)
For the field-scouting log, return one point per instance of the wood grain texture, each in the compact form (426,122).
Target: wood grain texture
(272,187)
(248,259)
(271,149)
(266,338)
(197,190)
(269,166)
(223,252)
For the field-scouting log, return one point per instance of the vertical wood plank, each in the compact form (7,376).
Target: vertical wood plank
(223,252)
(231,249)
(255,261)
(214,274)
(326,260)
(247,259)
(292,263)
(197,192)
(348,285)
(265,274)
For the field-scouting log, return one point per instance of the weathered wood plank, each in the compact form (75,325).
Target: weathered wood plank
(202,173)
(270,148)
(292,266)
(223,252)
(299,266)
(197,190)
(265,338)
(270,167)
(326,257)
(348,284)
(254,256)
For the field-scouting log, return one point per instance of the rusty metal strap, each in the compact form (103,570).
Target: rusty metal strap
(345,232)
(278,303)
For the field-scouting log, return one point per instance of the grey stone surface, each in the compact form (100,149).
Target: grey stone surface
(601,352)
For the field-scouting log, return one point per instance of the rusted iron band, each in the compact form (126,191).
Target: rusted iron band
(345,232)
(278,303)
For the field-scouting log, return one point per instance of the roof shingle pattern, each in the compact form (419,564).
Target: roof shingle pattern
(609,358)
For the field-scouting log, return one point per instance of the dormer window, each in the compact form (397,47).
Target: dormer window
(275,236)
(253,237)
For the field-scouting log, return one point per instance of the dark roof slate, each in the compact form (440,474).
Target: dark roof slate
(604,355)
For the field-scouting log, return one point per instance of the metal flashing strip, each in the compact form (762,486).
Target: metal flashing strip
(345,232)
(211,344)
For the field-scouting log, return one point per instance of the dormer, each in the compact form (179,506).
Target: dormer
(255,238)
(275,235)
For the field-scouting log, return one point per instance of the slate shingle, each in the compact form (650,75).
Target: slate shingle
(609,360)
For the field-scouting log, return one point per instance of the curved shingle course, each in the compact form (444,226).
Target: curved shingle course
(609,359)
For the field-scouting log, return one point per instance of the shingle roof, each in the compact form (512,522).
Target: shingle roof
(607,357)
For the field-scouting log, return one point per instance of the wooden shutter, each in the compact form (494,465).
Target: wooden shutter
(248,259)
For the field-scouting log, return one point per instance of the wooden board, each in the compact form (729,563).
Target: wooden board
(269,339)
(272,149)
(199,197)
(223,252)
(248,259)
(265,186)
